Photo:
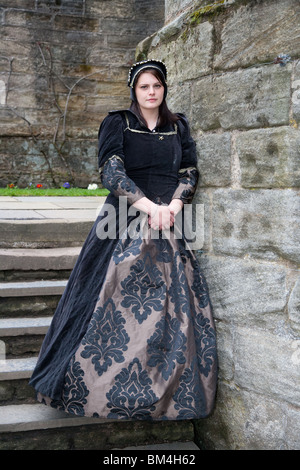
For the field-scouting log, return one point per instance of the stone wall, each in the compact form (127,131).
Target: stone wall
(244,112)
(63,65)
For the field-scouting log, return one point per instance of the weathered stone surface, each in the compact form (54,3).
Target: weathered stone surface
(269,158)
(296,96)
(244,114)
(26,161)
(44,233)
(165,52)
(179,98)
(37,427)
(264,364)
(263,99)
(259,33)
(173,7)
(294,308)
(198,39)
(183,49)
(214,159)
(16,391)
(60,72)
(261,223)
(245,420)
(245,292)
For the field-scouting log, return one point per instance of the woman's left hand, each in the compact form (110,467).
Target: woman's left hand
(162,219)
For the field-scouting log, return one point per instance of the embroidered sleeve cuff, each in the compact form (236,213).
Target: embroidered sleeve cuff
(114,178)
(188,178)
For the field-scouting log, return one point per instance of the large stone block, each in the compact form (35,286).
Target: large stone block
(62,6)
(245,292)
(11,123)
(192,50)
(252,98)
(269,158)
(264,364)
(258,32)
(172,7)
(28,4)
(259,223)
(73,23)
(294,313)
(30,19)
(166,52)
(195,50)
(214,159)
(179,98)
(296,96)
(245,420)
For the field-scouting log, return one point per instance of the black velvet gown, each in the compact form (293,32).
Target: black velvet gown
(133,336)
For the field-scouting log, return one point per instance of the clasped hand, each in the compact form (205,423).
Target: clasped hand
(163,217)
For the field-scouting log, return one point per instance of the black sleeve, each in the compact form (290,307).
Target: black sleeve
(111,159)
(188,174)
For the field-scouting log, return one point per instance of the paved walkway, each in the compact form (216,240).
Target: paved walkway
(50,207)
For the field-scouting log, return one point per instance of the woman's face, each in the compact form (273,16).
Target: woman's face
(149,91)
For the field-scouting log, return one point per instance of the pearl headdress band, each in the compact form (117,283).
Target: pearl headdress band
(150,63)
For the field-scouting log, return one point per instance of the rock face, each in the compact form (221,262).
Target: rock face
(63,66)
(244,111)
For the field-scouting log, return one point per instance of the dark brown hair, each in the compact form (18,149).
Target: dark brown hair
(165,115)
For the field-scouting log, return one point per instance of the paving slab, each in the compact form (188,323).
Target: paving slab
(68,214)
(26,205)
(7,198)
(50,207)
(19,215)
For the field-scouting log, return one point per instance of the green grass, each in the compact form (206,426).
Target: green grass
(71,192)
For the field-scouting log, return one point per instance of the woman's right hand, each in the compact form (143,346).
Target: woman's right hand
(161,218)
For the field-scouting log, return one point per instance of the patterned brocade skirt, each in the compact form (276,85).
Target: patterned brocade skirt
(149,352)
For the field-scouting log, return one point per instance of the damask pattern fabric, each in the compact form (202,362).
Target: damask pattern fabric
(148,351)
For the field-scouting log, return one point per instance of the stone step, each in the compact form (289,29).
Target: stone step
(14,377)
(38,259)
(32,298)
(15,369)
(34,288)
(45,233)
(32,306)
(38,416)
(22,337)
(39,427)
(24,326)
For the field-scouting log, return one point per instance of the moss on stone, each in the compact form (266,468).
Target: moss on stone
(208,10)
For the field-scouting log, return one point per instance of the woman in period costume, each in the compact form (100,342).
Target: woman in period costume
(133,335)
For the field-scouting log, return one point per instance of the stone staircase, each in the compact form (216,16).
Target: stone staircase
(36,258)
